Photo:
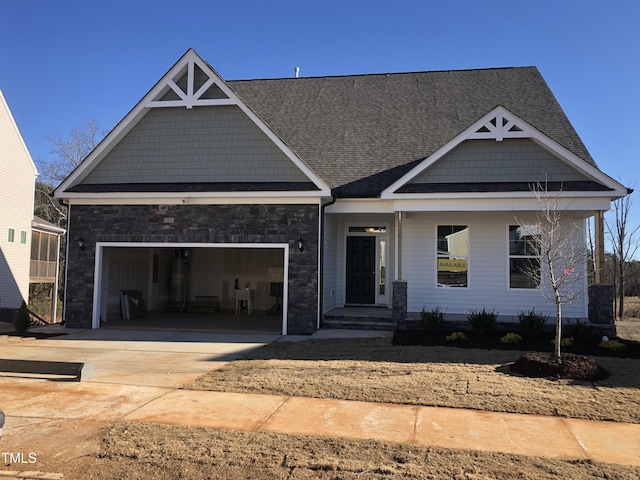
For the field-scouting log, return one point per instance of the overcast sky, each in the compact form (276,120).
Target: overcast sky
(65,61)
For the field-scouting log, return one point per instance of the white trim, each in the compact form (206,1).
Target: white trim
(526,131)
(498,204)
(100,246)
(188,60)
(372,205)
(191,198)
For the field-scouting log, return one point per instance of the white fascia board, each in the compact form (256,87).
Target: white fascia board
(160,199)
(373,205)
(527,131)
(492,204)
(133,117)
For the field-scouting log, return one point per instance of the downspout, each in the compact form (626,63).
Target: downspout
(66,269)
(399,247)
(321,259)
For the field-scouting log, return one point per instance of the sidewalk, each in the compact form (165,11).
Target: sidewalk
(550,437)
(138,375)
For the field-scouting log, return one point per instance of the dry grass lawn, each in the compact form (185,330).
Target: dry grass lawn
(373,370)
(369,370)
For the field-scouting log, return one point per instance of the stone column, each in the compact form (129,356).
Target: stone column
(601,307)
(399,302)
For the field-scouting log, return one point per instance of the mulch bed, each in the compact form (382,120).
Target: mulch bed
(541,343)
(577,362)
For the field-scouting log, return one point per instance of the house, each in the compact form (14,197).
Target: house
(16,213)
(399,191)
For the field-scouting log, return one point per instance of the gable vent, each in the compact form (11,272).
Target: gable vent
(500,127)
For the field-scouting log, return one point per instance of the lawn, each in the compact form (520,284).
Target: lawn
(377,371)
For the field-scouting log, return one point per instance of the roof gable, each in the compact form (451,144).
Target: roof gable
(500,124)
(363,132)
(191,85)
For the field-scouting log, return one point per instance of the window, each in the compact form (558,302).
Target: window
(12,235)
(453,255)
(23,237)
(524,256)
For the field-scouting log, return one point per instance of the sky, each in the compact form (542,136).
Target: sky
(65,61)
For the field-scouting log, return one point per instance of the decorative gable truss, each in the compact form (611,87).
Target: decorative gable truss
(193,83)
(190,83)
(499,127)
(500,124)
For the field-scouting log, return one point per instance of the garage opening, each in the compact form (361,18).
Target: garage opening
(229,288)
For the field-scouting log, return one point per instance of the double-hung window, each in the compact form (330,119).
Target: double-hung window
(524,256)
(453,255)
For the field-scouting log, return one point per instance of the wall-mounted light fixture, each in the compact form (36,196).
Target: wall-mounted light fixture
(81,244)
(300,243)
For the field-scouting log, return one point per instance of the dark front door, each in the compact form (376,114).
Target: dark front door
(361,270)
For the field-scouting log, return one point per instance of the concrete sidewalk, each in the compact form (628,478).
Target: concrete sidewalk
(138,375)
(550,437)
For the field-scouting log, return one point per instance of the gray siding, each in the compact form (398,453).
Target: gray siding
(203,144)
(512,160)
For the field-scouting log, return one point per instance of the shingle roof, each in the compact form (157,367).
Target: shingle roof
(360,133)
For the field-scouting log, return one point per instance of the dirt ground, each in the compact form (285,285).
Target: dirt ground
(359,369)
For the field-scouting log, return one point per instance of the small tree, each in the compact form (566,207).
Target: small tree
(560,244)
(624,244)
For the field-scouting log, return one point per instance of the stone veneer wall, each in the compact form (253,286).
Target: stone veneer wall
(196,224)
(601,303)
(399,303)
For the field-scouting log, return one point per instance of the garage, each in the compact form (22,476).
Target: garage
(222,287)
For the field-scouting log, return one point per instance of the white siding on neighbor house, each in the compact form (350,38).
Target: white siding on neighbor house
(16,211)
(488,268)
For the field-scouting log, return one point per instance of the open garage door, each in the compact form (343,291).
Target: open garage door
(218,287)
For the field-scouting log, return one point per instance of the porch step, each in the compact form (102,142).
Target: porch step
(358,322)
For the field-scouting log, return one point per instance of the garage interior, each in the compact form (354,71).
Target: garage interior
(209,288)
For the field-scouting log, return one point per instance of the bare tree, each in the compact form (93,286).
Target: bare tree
(68,152)
(624,244)
(559,240)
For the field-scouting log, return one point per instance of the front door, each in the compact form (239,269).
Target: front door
(361,269)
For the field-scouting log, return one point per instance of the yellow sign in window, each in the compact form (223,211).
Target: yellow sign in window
(452,264)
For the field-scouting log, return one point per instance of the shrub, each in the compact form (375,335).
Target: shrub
(564,341)
(483,321)
(613,345)
(579,330)
(457,337)
(22,321)
(431,319)
(511,338)
(532,322)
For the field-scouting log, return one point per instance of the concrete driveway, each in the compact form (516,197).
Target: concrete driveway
(58,419)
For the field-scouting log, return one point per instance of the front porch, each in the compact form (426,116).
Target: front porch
(362,318)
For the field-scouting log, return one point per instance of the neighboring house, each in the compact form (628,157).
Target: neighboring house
(365,190)
(45,262)
(16,213)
